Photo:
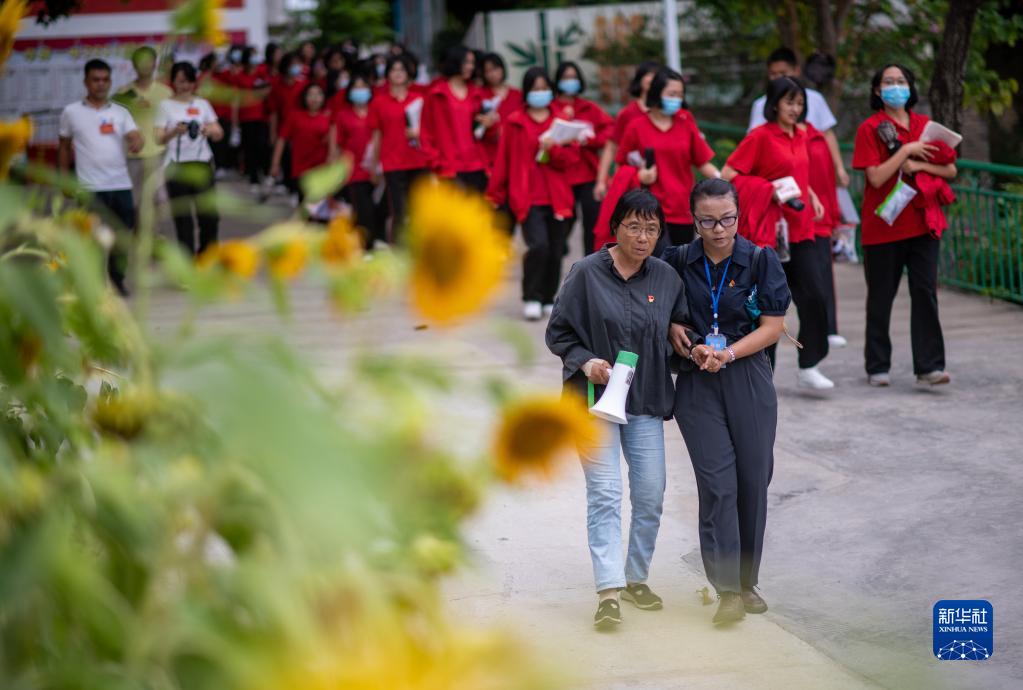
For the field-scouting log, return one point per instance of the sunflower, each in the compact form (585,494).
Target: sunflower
(11,13)
(458,252)
(201,19)
(14,137)
(287,260)
(535,431)
(81,221)
(234,256)
(342,245)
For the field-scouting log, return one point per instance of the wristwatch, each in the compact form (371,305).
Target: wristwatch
(731,353)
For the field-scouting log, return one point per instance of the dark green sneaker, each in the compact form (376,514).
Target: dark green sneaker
(642,597)
(609,614)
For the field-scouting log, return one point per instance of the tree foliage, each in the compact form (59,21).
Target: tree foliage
(365,21)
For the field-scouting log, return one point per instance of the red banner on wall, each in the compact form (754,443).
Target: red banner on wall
(113,6)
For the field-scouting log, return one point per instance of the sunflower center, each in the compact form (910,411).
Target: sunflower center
(536,437)
(444,259)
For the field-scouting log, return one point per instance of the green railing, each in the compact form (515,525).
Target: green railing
(982,250)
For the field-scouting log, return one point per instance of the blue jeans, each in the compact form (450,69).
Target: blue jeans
(642,442)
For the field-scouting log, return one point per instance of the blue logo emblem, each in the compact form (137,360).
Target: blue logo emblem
(964,630)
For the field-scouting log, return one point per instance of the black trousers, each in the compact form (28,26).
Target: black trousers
(190,188)
(223,155)
(809,292)
(399,182)
(883,265)
(360,196)
(256,149)
(545,247)
(475,180)
(729,420)
(118,208)
(827,264)
(588,209)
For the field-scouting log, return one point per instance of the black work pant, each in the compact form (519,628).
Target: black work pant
(256,149)
(883,265)
(118,209)
(475,180)
(545,247)
(190,188)
(729,420)
(223,155)
(399,182)
(827,264)
(809,292)
(588,209)
(360,196)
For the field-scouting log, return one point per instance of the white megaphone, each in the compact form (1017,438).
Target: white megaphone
(611,405)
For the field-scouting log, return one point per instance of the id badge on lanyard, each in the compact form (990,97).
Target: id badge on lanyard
(715,339)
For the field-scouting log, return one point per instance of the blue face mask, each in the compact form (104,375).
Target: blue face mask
(295,70)
(670,106)
(539,99)
(895,96)
(380,69)
(569,87)
(359,96)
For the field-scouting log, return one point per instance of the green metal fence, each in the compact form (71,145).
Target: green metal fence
(982,250)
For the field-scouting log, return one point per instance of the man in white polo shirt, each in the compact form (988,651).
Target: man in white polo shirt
(102,133)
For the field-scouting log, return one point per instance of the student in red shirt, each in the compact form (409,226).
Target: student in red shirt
(253,87)
(530,174)
(670,132)
(214,85)
(396,137)
(638,88)
(779,149)
(888,147)
(499,101)
(452,112)
(582,173)
(353,136)
(308,131)
(823,183)
(285,92)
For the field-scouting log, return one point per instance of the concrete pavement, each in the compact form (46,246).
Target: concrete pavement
(883,502)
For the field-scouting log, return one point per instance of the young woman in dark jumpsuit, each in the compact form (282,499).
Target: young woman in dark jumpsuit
(726,407)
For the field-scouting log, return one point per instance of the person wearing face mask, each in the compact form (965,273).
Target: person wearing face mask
(770,152)
(252,90)
(451,113)
(582,174)
(636,107)
(396,137)
(669,132)
(530,174)
(282,103)
(215,86)
(308,131)
(888,148)
(499,100)
(353,136)
(726,406)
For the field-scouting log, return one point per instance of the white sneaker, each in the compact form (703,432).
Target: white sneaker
(882,380)
(813,379)
(934,378)
(836,340)
(532,311)
(548,309)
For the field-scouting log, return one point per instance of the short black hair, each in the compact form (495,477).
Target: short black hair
(639,202)
(778,89)
(564,67)
(712,187)
(661,79)
(97,65)
(530,77)
(305,93)
(782,54)
(451,65)
(268,56)
(137,54)
(645,68)
(496,60)
(819,69)
(186,68)
(286,61)
(875,101)
(404,61)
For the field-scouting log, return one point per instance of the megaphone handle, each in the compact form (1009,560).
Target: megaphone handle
(590,397)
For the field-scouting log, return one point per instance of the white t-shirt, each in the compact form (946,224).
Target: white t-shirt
(184,148)
(98,138)
(818,113)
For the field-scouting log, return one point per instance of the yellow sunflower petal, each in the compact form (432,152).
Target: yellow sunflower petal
(11,14)
(535,432)
(342,245)
(458,252)
(234,256)
(14,137)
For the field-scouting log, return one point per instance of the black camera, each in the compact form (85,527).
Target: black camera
(193,128)
(795,204)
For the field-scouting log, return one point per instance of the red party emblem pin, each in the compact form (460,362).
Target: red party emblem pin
(650,298)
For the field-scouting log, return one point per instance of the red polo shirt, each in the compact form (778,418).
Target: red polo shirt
(869,151)
(768,152)
(511,103)
(676,152)
(284,98)
(387,115)
(307,134)
(353,136)
(624,118)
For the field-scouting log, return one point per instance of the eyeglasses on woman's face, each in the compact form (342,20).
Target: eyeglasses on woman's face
(636,229)
(709,223)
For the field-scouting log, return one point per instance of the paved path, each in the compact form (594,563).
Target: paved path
(883,502)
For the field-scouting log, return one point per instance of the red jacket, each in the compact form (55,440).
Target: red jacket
(822,182)
(446,130)
(516,154)
(758,212)
(512,102)
(625,178)
(934,191)
(587,158)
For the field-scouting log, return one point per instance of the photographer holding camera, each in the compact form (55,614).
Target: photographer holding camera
(187,124)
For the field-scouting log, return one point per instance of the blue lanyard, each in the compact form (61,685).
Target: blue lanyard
(715,297)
